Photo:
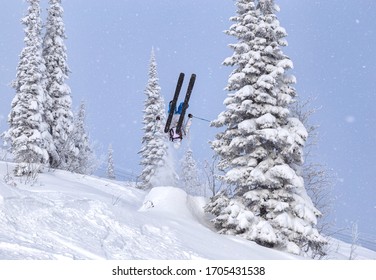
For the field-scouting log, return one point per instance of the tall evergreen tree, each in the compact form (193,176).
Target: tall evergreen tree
(157,169)
(261,147)
(110,164)
(190,175)
(28,134)
(59,102)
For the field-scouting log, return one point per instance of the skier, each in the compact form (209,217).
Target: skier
(178,135)
(175,126)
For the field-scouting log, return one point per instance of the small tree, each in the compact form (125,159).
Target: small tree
(59,102)
(28,133)
(354,241)
(212,174)
(157,169)
(317,177)
(83,161)
(190,177)
(110,164)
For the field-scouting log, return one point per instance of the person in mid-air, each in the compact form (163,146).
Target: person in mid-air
(178,135)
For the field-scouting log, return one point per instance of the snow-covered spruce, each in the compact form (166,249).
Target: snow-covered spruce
(83,161)
(157,169)
(59,102)
(110,164)
(261,147)
(190,177)
(28,133)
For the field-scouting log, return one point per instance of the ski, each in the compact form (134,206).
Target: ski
(185,104)
(173,102)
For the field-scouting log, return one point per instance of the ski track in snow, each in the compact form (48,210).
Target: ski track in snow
(69,216)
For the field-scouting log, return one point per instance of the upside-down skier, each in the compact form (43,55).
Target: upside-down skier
(174,134)
(175,125)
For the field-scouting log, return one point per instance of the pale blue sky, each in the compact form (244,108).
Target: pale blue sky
(331,44)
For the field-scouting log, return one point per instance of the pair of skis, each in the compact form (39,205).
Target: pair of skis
(185,104)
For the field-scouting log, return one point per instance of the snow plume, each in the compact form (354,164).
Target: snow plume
(165,174)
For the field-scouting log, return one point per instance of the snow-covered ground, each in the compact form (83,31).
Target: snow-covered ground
(61,215)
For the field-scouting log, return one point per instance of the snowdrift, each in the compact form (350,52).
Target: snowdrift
(61,215)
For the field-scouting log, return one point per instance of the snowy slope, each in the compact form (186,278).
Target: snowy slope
(61,215)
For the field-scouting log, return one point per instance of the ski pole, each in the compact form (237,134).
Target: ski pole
(200,118)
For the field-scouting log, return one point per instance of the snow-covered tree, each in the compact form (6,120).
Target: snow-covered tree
(157,169)
(110,164)
(190,176)
(83,160)
(59,102)
(261,148)
(211,172)
(28,132)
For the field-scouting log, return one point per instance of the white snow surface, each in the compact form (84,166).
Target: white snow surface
(62,215)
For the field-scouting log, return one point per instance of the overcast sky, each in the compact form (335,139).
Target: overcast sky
(331,44)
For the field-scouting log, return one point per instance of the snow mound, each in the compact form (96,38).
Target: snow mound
(170,200)
(175,202)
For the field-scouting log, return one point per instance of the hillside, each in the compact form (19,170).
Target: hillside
(61,215)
